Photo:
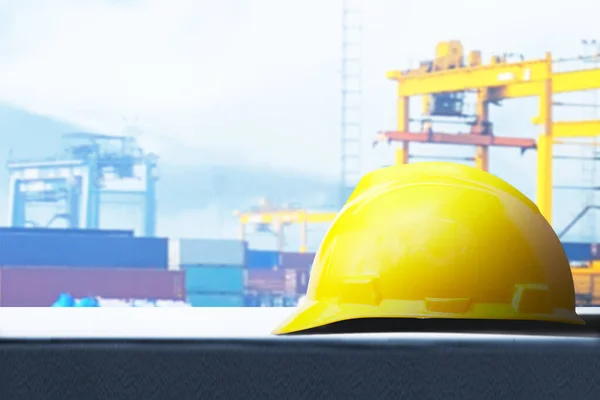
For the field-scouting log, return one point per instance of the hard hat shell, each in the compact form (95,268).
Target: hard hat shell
(437,240)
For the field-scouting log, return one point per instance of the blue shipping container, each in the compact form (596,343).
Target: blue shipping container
(83,251)
(262,259)
(578,251)
(207,251)
(267,300)
(215,300)
(215,279)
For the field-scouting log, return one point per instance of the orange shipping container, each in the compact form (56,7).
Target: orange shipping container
(587,285)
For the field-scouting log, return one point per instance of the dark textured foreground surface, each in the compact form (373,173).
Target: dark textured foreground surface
(419,366)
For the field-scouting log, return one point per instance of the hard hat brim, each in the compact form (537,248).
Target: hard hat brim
(313,314)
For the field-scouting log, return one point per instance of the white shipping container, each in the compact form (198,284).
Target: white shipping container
(173,255)
(207,251)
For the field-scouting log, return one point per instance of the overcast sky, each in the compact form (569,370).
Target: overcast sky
(258,80)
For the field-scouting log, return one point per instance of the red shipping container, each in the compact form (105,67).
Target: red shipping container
(272,280)
(297,260)
(40,287)
(266,280)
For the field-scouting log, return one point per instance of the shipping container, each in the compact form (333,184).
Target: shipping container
(264,280)
(579,251)
(251,300)
(59,231)
(40,287)
(278,281)
(83,251)
(272,300)
(584,288)
(215,279)
(207,251)
(291,281)
(595,250)
(215,300)
(302,278)
(257,259)
(297,260)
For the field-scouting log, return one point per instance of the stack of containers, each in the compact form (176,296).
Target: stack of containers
(586,280)
(277,279)
(582,257)
(264,275)
(37,265)
(301,264)
(214,270)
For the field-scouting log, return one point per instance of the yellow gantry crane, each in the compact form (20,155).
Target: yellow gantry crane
(444,84)
(268,218)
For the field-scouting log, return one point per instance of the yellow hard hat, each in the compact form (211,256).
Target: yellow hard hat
(437,240)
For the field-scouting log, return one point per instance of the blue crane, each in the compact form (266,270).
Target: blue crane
(75,182)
